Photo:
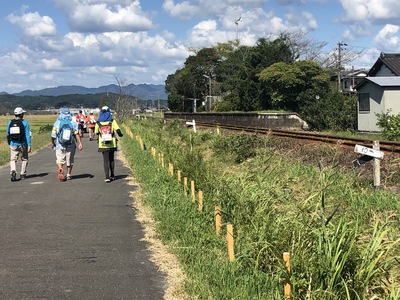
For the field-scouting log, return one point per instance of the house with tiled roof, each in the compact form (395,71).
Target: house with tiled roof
(379,92)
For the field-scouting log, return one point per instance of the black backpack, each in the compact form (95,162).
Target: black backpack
(16,130)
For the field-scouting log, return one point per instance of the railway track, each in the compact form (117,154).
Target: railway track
(385,146)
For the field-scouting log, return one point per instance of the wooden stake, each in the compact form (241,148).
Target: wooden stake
(171,169)
(200,200)
(162,160)
(217,214)
(286,289)
(179,175)
(229,237)
(185,180)
(192,191)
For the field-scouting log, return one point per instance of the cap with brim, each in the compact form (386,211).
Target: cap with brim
(65,111)
(104,108)
(19,111)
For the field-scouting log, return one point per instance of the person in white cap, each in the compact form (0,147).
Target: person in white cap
(19,140)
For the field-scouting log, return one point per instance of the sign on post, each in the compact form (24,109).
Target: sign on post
(368,151)
(374,154)
(193,123)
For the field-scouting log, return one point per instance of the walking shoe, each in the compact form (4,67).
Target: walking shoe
(61,177)
(69,177)
(107,180)
(13,176)
(112,178)
(22,177)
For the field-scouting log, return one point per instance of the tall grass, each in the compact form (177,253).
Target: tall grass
(343,239)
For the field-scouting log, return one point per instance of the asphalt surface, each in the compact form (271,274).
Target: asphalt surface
(76,239)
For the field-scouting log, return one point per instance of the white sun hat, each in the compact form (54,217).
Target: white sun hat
(19,111)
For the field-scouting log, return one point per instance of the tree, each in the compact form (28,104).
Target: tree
(287,83)
(124,103)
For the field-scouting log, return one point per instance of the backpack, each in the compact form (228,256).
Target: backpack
(106,133)
(16,130)
(65,133)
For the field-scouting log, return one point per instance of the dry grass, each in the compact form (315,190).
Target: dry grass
(165,261)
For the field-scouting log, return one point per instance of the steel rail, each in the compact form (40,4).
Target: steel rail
(387,146)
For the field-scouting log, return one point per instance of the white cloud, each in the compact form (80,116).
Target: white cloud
(51,64)
(105,16)
(389,38)
(182,10)
(33,24)
(376,11)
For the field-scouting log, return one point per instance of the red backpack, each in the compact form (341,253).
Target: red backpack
(106,133)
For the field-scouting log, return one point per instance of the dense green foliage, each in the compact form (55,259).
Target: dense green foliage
(342,236)
(390,125)
(262,77)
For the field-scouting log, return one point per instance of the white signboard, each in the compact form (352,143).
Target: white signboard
(368,151)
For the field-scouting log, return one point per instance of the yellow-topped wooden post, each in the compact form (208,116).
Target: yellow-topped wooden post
(192,191)
(229,237)
(200,200)
(185,182)
(217,214)
(286,289)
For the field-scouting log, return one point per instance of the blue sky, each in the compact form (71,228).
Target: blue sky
(48,43)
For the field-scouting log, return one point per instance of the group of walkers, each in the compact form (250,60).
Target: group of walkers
(66,137)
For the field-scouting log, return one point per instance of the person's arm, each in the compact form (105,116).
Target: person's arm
(54,133)
(27,135)
(117,129)
(7,132)
(78,139)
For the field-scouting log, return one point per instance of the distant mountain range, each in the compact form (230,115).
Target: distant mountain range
(142,91)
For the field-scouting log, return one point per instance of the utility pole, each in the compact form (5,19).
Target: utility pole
(237,23)
(209,91)
(340,44)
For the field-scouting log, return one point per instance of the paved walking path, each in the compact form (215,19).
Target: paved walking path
(72,240)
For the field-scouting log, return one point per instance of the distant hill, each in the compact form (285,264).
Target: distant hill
(142,91)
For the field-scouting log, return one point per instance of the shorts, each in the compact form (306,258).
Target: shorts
(65,156)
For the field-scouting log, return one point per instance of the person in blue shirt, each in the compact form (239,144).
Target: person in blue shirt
(19,140)
(65,153)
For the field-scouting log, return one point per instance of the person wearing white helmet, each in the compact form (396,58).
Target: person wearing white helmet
(19,140)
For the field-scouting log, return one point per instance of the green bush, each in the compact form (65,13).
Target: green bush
(390,125)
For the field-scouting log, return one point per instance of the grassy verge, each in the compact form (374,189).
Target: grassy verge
(343,237)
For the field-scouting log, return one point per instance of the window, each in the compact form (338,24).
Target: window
(363,102)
